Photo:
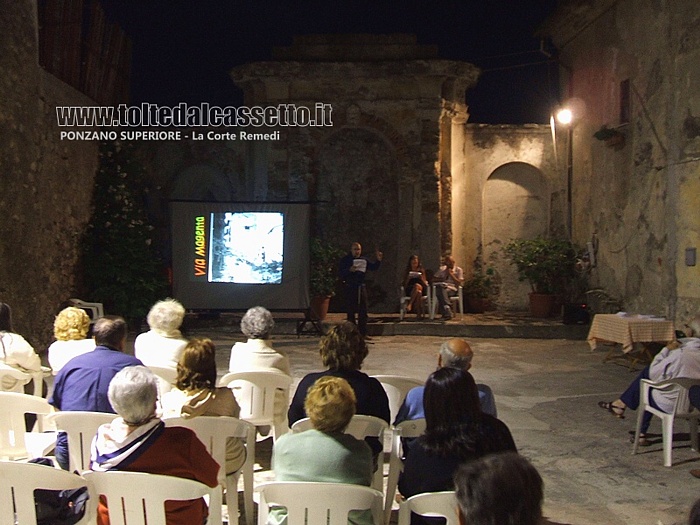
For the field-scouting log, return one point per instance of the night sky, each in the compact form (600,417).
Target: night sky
(183,50)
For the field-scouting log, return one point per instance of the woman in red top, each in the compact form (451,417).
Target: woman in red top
(138,441)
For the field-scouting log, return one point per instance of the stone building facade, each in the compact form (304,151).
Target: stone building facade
(632,65)
(45,185)
(381,173)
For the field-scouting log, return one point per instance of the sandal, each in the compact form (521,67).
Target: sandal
(643,441)
(615,410)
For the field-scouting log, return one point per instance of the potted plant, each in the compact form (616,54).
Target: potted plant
(547,264)
(323,276)
(479,289)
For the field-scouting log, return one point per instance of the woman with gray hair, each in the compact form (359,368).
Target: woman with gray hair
(163,344)
(138,441)
(257,353)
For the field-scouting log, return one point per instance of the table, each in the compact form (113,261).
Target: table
(628,329)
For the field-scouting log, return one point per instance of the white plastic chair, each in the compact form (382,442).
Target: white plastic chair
(96,309)
(214,431)
(430,504)
(138,498)
(18,481)
(405,429)
(457,301)
(255,392)
(396,388)
(404,300)
(681,409)
(81,427)
(15,377)
(166,378)
(318,503)
(360,427)
(15,442)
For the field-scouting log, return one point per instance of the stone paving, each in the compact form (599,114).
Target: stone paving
(546,392)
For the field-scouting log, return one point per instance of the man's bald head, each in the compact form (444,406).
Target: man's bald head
(456,353)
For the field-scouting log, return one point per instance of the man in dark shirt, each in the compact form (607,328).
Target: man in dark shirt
(82,384)
(353,268)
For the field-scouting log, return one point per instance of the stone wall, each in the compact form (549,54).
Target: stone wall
(640,201)
(512,185)
(46,184)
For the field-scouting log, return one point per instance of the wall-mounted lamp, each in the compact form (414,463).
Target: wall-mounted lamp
(565,116)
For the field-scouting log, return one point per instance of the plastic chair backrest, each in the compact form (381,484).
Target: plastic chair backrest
(18,480)
(430,504)
(255,393)
(396,388)
(15,377)
(96,309)
(360,426)
(81,428)
(405,429)
(138,498)
(315,503)
(214,431)
(166,378)
(13,407)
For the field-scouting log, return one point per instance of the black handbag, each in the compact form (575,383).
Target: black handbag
(59,507)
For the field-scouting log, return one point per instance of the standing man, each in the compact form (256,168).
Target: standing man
(83,383)
(447,279)
(353,268)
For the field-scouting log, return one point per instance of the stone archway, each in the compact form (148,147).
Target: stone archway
(357,198)
(515,205)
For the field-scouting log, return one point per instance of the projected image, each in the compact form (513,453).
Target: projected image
(247,247)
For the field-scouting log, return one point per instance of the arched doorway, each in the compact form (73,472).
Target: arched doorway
(515,205)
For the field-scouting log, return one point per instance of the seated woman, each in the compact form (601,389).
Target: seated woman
(415,285)
(70,328)
(163,344)
(342,350)
(257,354)
(324,453)
(138,441)
(456,431)
(679,359)
(15,352)
(195,394)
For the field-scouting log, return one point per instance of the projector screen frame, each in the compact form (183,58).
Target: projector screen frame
(191,238)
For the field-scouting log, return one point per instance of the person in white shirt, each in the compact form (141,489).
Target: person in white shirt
(15,352)
(257,352)
(679,359)
(163,344)
(70,328)
(447,279)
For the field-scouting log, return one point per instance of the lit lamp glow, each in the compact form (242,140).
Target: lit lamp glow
(565,116)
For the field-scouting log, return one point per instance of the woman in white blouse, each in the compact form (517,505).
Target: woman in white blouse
(163,344)
(70,328)
(15,352)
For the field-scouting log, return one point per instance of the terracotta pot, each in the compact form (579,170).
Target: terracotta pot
(541,304)
(319,307)
(477,305)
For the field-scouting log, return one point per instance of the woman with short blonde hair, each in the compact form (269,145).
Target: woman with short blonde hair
(70,328)
(324,453)
(330,404)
